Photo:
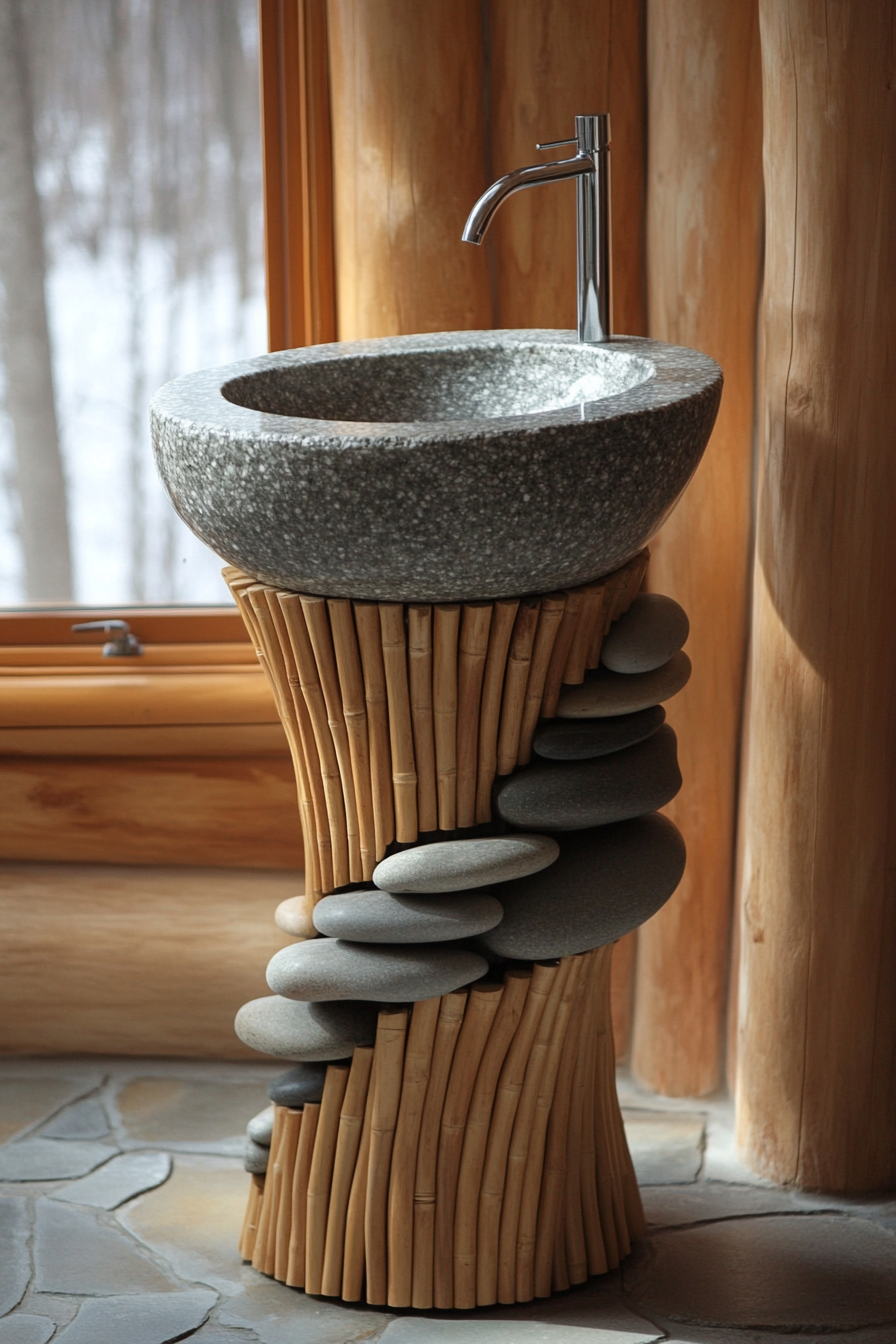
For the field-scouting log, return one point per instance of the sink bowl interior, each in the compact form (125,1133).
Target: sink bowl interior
(437,385)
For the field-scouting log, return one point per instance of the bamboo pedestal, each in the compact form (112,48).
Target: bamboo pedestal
(475,1154)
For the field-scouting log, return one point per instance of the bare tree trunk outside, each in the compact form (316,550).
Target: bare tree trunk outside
(24,333)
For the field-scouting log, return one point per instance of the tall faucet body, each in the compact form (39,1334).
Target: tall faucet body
(590,166)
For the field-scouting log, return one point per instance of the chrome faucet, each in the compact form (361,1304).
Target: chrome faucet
(591,168)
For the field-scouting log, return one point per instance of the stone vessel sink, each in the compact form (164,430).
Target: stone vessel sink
(436,468)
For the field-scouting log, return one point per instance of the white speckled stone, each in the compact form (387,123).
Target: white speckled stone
(380,917)
(459,865)
(604,693)
(605,883)
(328,968)
(261,1127)
(646,636)
(305,1031)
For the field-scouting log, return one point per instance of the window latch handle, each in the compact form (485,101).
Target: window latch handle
(124,645)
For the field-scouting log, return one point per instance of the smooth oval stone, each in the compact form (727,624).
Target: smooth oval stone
(255,1157)
(580,794)
(604,694)
(261,1127)
(605,883)
(299,1085)
(459,865)
(579,740)
(380,917)
(646,636)
(305,1031)
(328,968)
(293,916)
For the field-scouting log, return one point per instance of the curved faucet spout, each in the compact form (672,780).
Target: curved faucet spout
(483,211)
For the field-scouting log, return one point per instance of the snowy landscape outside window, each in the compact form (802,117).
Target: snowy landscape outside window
(131,251)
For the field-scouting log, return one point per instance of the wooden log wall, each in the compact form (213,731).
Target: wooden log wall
(474,1155)
(704,254)
(400,717)
(816,1060)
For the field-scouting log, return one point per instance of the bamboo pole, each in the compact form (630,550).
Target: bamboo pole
(420,679)
(475,1138)
(351,683)
(553,1180)
(472,652)
(594,1242)
(295,1270)
(417,1066)
(507,1095)
(250,1220)
(388,1063)
(518,1151)
(319,847)
(503,617)
(318,625)
(451,1012)
(348,1142)
(591,617)
(482,1007)
(549,621)
(367,622)
(605,1149)
(515,679)
(560,653)
(574,1196)
(444,707)
(321,1175)
(353,1263)
(292,1124)
(401,737)
(265,1249)
(306,668)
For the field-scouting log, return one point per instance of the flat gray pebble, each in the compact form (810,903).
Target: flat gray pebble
(646,636)
(297,1086)
(119,1180)
(256,1157)
(261,1127)
(575,795)
(305,1031)
(582,739)
(141,1318)
(51,1159)
(328,968)
(604,694)
(381,917)
(605,883)
(460,865)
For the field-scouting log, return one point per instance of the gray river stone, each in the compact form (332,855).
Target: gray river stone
(261,1127)
(646,636)
(605,883)
(305,1031)
(328,968)
(298,1085)
(380,917)
(459,865)
(255,1157)
(604,694)
(582,739)
(575,795)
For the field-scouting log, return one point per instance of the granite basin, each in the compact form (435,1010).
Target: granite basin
(436,468)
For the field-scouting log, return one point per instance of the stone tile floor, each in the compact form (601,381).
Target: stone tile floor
(122,1193)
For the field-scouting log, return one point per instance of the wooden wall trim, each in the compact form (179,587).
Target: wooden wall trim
(298,174)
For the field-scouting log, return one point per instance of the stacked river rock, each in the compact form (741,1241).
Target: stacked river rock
(582,858)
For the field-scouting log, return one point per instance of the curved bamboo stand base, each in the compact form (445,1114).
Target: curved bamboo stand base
(474,1155)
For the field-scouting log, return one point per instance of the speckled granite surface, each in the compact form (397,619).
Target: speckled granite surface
(482,470)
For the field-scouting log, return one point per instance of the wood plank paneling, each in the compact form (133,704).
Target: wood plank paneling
(704,258)
(548,61)
(816,1072)
(406,93)
(159,697)
(239,812)
(133,961)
